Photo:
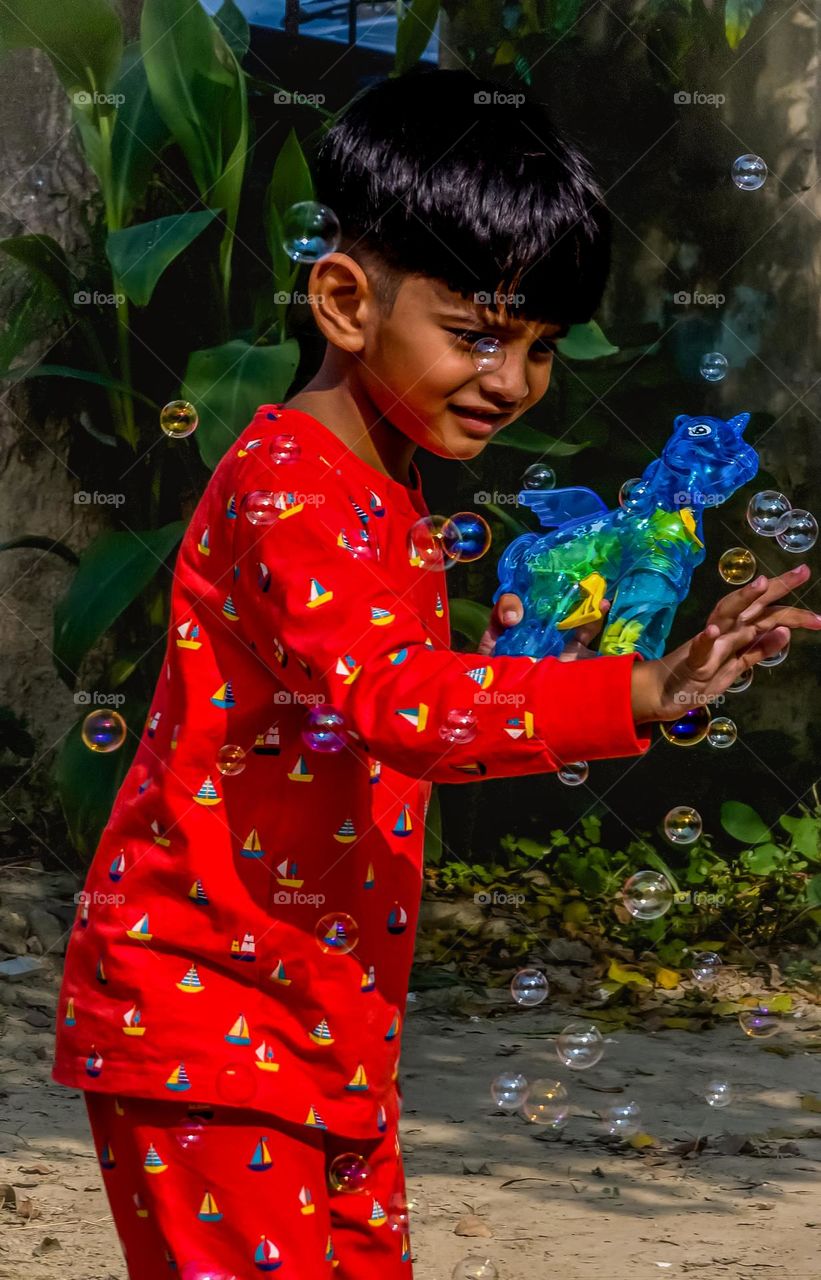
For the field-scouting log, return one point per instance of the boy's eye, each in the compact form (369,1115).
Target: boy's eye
(542,347)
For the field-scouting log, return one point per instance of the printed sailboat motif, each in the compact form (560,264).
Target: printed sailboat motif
(239,1033)
(265,1057)
(191,984)
(263,576)
(94,1063)
(368,981)
(318,595)
(188,635)
(369,880)
(151,727)
(229,610)
(197,894)
(267,743)
(100,973)
(348,667)
(416,716)
(358,1082)
(397,657)
(381,617)
(346,832)
(178,1081)
(278,975)
(159,830)
(107,1160)
(315,1119)
(300,771)
(483,676)
(117,868)
(287,875)
(381,1118)
(204,544)
(252,847)
(208,1211)
(69,1019)
(378,1216)
(131,1019)
(321,1033)
(248,446)
(139,1207)
(207,793)
(393,1029)
(261,1159)
(306,1201)
(246,950)
(376,505)
(518,725)
(287,505)
(439,608)
(335,937)
(152,1162)
(231,507)
(375,770)
(404,823)
(266,1255)
(224,696)
(140,930)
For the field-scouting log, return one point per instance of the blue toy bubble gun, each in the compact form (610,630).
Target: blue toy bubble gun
(641,555)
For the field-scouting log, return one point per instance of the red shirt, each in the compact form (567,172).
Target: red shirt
(247,926)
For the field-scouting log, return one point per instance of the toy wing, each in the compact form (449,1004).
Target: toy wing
(557,506)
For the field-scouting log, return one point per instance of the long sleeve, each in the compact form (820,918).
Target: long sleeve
(348,630)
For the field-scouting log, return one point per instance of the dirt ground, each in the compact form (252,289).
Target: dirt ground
(541,1203)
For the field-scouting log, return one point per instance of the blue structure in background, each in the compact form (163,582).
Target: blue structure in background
(369,26)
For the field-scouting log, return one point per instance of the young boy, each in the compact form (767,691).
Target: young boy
(236,981)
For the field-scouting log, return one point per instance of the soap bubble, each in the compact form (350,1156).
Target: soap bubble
(178,419)
(574,773)
(647,895)
(547,1103)
(682,825)
(260,507)
(759,1024)
(103,731)
(741,683)
(285,448)
(580,1046)
(777,658)
(749,172)
(509,1090)
(324,729)
(798,532)
(633,493)
(767,512)
(689,729)
(737,566)
(475,1269)
(309,231)
(474,536)
(718,1093)
(529,987)
(236,1083)
(713,366)
(722,733)
(433,542)
(230,759)
(349,1172)
(488,354)
(337,932)
(539,476)
(623,1119)
(204,1271)
(460,726)
(705,966)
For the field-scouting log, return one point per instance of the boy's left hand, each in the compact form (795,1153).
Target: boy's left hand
(508,610)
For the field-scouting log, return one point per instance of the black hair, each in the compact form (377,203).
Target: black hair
(443,174)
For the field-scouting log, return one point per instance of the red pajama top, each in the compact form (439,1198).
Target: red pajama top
(247,926)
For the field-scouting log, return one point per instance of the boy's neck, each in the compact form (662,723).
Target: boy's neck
(358,424)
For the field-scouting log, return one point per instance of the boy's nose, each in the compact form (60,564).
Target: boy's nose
(509,382)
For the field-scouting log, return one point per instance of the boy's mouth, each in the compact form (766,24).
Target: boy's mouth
(478,421)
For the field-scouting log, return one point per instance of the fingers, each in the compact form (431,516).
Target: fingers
(787,616)
(587,633)
(766,646)
(749,602)
(507,611)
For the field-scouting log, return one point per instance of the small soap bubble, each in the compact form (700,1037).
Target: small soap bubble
(749,172)
(647,895)
(623,1119)
(236,1083)
(776,659)
(574,773)
(285,448)
(103,731)
(722,733)
(690,729)
(705,966)
(487,354)
(460,726)
(547,1103)
(737,566)
(337,932)
(509,1090)
(682,825)
(713,366)
(633,494)
(475,1269)
(798,532)
(178,419)
(474,536)
(539,476)
(580,1045)
(759,1024)
(190,1134)
(324,729)
(767,512)
(261,506)
(349,1172)
(230,759)
(398,1212)
(529,987)
(433,543)
(718,1093)
(309,231)
(741,683)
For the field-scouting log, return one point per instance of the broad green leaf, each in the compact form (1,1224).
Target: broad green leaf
(585,342)
(234,28)
(520,435)
(416,22)
(229,383)
(743,823)
(46,258)
(763,860)
(139,136)
(140,254)
(87,781)
(82,38)
(37,308)
(814,891)
(291,183)
(805,833)
(738,14)
(617,972)
(469,618)
(113,570)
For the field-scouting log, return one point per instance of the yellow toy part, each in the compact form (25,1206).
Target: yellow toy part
(593,587)
(689,522)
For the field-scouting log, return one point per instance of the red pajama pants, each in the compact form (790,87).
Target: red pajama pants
(223,1193)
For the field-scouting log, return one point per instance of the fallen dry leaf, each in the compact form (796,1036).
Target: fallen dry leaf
(470,1225)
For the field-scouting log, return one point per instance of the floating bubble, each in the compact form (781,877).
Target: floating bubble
(749,172)
(529,987)
(776,659)
(737,566)
(547,1103)
(474,536)
(262,506)
(324,729)
(722,733)
(349,1172)
(718,1093)
(230,759)
(705,966)
(741,683)
(103,731)
(580,1046)
(689,729)
(574,773)
(633,493)
(539,476)
(309,231)
(798,532)
(647,895)
(487,354)
(682,825)
(433,543)
(767,512)
(236,1083)
(337,932)
(509,1090)
(759,1024)
(475,1269)
(178,419)
(204,1271)
(623,1119)
(713,366)
(190,1134)
(398,1212)
(460,726)
(285,448)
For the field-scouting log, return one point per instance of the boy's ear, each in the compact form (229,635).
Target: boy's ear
(338,285)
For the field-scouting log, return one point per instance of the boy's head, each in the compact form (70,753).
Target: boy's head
(461,208)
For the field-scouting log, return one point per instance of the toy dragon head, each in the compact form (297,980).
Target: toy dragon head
(704,461)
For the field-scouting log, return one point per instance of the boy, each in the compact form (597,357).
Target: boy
(235,983)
